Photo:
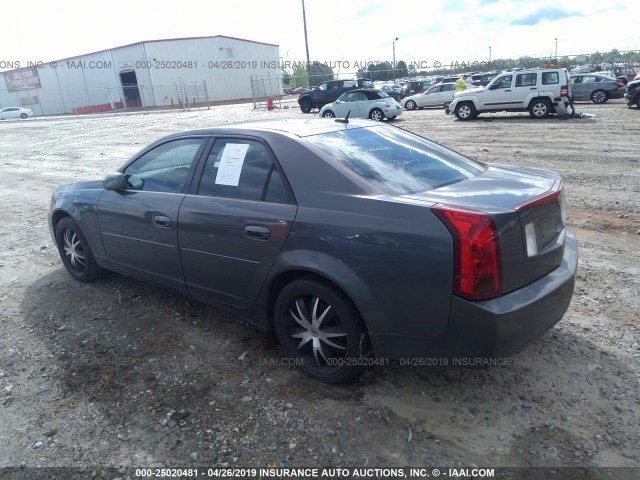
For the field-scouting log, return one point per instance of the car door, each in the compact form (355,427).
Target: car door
(139,225)
(497,95)
(234,221)
(524,88)
(350,102)
(430,97)
(579,87)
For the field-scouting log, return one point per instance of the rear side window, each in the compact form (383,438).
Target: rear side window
(549,78)
(526,79)
(396,161)
(244,170)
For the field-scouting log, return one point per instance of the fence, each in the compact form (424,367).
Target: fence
(265,87)
(85,100)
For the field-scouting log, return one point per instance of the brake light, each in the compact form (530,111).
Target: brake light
(477,269)
(618,84)
(564,90)
(387,105)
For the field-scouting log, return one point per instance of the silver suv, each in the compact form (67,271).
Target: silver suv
(538,91)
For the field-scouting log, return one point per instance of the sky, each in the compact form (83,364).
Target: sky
(345,31)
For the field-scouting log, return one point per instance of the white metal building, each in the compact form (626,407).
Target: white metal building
(179,72)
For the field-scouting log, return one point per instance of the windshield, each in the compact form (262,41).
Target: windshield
(396,161)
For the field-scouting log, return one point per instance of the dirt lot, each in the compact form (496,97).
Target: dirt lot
(118,373)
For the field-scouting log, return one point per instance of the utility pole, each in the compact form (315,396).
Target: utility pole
(306,44)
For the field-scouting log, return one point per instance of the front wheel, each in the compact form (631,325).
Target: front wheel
(329,114)
(320,329)
(599,96)
(376,114)
(305,105)
(465,111)
(23,116)
(540,109)
(75,252)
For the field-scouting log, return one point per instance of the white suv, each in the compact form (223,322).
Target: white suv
(539,91)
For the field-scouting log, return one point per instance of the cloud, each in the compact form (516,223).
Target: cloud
(546,13)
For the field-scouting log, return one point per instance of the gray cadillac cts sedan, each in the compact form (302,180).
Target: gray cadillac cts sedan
(351,239)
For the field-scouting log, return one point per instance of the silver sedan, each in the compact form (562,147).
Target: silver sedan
(439,95)
(597,88)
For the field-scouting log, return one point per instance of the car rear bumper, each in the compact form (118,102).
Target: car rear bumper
(493,328)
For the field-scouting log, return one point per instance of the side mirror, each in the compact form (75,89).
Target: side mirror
(338,101)
(115,181)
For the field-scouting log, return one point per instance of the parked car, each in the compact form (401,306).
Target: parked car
(413,87)
(363,103)
(390,90)
(624,74)
(596,88)
(439,95)
(15,112)
(485,78)
(328,92)
(633,93)
(538,91)
(346,238)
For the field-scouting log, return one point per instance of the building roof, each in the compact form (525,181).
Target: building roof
(150,41)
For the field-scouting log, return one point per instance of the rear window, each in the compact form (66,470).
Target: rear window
(549,78)
(396,161)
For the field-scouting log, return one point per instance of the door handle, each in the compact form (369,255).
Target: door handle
(508,90)
(533,88)
(161,221)
(257,232)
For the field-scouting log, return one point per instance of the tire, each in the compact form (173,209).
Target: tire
(329,114)
(376,114)
(305,105)
(638,102)
(320,329)
(410,105)
(75,252)
(465,111)
(23,116)
(540,108)
(599,96)
(446,108)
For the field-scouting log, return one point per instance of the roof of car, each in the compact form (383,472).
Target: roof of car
(297,127)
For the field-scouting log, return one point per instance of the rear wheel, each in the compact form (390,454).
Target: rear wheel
(376,114)
(599,96)
(329,114)
(410,105)
(465,111)
(318,327)
(540,108)
(23,116)
(305,105)
(75,252)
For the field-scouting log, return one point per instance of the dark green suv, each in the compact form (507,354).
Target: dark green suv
(328,92)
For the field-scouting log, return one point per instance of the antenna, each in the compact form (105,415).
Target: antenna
(345,119)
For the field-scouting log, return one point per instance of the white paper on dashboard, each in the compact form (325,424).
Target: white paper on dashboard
(231,164)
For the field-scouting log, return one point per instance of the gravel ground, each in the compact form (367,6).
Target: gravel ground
(118,373)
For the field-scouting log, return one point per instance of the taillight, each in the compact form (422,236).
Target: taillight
(618,84)
(564,90)
(545,198)
(387,105)
(477,272)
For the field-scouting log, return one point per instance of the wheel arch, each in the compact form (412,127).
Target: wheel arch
(342,279)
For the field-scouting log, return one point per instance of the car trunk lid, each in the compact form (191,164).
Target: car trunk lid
(528,210)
